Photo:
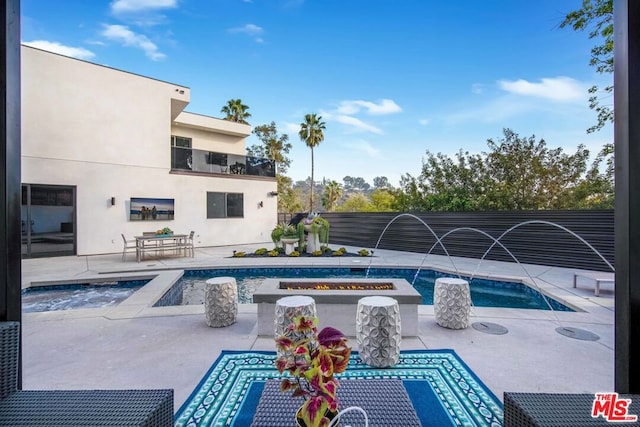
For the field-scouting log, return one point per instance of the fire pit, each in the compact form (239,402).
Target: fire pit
(337,300)
(336,286)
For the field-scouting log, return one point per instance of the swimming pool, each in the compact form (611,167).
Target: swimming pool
(484,293)
(78,295)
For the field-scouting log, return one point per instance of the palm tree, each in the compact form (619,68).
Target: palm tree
(311,132)
(236,111)
(331,195)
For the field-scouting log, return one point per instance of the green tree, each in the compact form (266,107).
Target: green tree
(528,175)
(312,134)
(381,182)
(445,184)
(596,16)
(331,195)
(515,174)
(382,200)
(597,190)
(236,111)
(289,197)
(274,147)
(355,184)
(356,202)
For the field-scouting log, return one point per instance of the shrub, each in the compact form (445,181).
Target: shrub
(363,252)
(261,251)
(238,254)
(337,253)
(294,253)
(277,232)
(316,253)
(273,253)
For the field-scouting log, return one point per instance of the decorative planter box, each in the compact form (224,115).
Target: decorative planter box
(337,307)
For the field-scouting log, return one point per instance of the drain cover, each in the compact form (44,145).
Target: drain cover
(489,328)
(578,334)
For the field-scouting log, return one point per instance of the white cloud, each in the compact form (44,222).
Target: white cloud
(385,106)
(364,147)
(291,128)
(355,123)
(562,89)
(249,29)
(124,35)
(494,111)
(74,52)
(123,6)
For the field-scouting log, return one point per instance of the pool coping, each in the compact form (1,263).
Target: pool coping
(140,304)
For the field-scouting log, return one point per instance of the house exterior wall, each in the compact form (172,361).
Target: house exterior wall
(108,133)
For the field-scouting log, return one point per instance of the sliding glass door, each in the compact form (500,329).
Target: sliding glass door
(48,220)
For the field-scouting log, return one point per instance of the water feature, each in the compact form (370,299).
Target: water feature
(563,330)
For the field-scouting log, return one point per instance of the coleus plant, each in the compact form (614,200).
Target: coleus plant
(311,360)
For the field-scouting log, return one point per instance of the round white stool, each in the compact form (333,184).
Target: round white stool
(288,308)
(378,331)
(220,301)
(452,302)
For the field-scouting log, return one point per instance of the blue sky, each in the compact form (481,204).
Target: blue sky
(391,79)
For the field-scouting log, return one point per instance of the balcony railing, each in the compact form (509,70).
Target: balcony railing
(190,159)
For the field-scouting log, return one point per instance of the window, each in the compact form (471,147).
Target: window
(225,205)
(181,155)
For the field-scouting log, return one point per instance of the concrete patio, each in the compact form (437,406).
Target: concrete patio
(172,347)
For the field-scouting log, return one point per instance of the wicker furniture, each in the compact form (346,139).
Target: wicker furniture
(58,408)
(557,410)
(385,401)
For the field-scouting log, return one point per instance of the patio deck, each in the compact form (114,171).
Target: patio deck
(172,347)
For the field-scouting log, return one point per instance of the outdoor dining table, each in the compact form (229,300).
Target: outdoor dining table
(160,242)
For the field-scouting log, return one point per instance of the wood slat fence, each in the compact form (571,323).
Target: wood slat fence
(554,238)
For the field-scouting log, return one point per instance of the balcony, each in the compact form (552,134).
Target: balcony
(214,163)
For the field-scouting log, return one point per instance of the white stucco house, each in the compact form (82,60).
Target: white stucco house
(97,143)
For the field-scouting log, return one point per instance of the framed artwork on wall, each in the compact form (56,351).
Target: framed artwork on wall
(151,209)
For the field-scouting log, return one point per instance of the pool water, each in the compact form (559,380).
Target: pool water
(81,295)
(484,293)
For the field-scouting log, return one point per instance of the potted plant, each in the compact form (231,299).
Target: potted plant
(308,361)
(289,232)
(318,229)
(277,233)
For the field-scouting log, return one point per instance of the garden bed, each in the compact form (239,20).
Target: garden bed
(330,253)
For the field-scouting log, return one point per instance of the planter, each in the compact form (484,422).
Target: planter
(289,244)
(313,240)
(329,414)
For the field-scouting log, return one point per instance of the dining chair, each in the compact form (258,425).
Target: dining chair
(189,244)
(128,245)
